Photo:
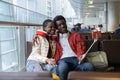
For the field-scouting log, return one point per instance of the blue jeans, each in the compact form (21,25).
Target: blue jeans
(66,65)
(34,66)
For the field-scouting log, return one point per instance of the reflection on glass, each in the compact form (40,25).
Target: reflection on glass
(9,60)
(7,46)
(7,32)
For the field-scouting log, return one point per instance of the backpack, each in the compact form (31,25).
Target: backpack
(98,59)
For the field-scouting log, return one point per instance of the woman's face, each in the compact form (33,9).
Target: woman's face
(50,29)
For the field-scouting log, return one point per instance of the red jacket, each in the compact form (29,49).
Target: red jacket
(76,42)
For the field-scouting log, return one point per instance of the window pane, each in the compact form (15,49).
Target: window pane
(7,32)
(9,60)
(31,17)
(4,8)
(7,46)
(21,3)
(21,15)
(5,18)
(5,12)
(30,31)
(32,5)
(6,0)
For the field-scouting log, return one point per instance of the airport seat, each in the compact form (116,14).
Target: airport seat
(112,49)
(87,42)
(86,36)
(26,75)
(77,75)
(115,37)
(105,36)
(25,78)
(29,48)
(95,47)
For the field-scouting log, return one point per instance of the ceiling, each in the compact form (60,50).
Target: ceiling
(84,7)
(94,1)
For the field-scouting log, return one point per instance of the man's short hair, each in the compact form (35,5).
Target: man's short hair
(100,25)
(57,18)
(78,24)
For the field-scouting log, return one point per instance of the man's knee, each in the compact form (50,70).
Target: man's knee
(89,66)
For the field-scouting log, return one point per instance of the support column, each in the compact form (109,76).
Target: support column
(113,17)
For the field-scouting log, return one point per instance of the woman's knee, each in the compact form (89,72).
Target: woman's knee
(33,66)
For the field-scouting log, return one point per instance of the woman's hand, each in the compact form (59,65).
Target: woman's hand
(51,61)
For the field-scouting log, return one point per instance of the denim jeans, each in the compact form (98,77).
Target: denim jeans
(34,66)
(66,65)
(51,68)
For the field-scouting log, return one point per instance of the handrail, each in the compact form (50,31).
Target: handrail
(18,23)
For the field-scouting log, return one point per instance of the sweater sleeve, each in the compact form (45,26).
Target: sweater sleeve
(40,50)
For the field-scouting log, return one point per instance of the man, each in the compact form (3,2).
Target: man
(76,28)
(84,28)
(69,50)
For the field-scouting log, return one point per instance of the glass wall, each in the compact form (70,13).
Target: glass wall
(5,12)
(8,48)
(13,38)
(12,45)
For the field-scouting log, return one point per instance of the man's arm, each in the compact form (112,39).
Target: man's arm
(80,44)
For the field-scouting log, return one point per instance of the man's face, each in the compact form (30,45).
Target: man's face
(62,26)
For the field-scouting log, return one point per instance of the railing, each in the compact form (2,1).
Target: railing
(18,23)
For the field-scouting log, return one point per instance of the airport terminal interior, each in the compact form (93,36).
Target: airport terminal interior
(19,20)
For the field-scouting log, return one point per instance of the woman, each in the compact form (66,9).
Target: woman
(41,57)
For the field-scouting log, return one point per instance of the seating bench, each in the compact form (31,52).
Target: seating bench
(26,75)
(77,75)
